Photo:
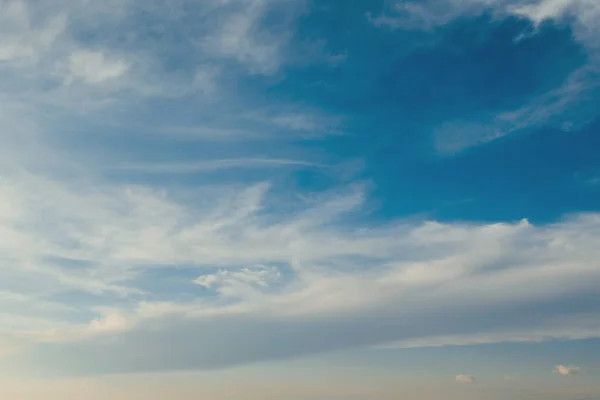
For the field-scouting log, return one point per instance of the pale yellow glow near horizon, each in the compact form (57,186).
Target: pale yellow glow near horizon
(234,386)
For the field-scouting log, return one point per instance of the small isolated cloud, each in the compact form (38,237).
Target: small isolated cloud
(593,181)
(566,370)
(465,378)
(241,282)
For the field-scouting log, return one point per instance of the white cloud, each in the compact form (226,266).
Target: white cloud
(241,37)
(585,12)
(43,45)
(94,67)
(241,283)
(433,13)
(582,15)
(256,272)
(465,378)
(111,321)
(298,277)
(566,370)
(545,9)
(563,328)
(551,107)
(281,123)
(20,39)
(213,165)
(274,277)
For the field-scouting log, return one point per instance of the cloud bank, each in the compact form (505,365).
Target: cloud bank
(232,280)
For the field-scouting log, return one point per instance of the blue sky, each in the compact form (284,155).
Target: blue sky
(299,199)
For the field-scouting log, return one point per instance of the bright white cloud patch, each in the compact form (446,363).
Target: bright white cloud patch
(566,370)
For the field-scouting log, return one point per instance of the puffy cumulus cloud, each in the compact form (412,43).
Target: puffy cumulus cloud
(566,370)
(465,378)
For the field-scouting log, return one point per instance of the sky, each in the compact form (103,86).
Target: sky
(299,199)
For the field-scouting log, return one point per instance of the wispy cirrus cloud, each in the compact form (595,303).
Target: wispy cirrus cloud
(240,37)
(234,271)
(434,13)
(551,108)
(55,40)
(246,275)
(213,165)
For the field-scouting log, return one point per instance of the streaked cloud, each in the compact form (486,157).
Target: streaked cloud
(430,14)
(582,15)
(549,109)
(298,278)
(213,165)
(142,272)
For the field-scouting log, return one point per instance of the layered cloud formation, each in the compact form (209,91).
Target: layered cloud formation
(223,280)
(154,214)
